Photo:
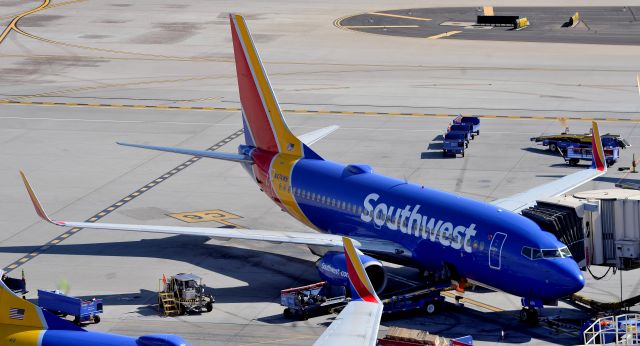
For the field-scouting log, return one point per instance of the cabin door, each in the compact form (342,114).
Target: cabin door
(495,250)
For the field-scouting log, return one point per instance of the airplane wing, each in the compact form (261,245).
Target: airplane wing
(528,198)
(377,246)
(359,321)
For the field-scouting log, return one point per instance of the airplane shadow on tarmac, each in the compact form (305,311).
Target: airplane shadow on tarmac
(542,152)
(266,273)
(269,271)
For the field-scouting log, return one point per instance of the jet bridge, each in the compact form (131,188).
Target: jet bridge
(600,227)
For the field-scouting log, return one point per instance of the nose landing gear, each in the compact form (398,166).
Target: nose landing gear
(530,311)
(529,315)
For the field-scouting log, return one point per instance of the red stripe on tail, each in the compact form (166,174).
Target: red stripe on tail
(250,98)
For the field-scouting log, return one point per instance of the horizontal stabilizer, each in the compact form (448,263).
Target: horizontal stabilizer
(314,136)
(194,152)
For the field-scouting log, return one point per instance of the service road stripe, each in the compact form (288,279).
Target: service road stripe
(398,16)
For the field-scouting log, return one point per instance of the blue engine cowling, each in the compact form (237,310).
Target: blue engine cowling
(333,269)
(160,340)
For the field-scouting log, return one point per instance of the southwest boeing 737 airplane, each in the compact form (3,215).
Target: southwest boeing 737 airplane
(489,244)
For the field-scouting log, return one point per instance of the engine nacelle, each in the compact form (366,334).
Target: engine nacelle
(333,269)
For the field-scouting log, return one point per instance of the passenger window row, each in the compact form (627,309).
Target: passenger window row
(321,199)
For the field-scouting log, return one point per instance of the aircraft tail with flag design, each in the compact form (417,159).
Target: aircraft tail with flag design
(264,125)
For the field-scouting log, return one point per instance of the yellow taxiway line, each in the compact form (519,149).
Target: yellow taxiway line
(444,34)
(312,112)
(12,25)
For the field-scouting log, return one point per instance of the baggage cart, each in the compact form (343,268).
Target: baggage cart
(574,155)
(462,128)
(454,144)
(426,298)
(563,141)
(474,122)
(312,300)
(62,305)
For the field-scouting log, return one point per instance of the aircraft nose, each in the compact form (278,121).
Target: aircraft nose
(569,277)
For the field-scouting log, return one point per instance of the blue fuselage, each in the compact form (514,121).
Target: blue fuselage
(478,240)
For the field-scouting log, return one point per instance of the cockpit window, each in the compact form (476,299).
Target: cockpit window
(535,254)
(551,253)
(565,252)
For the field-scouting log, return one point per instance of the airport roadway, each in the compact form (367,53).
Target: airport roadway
(77,76)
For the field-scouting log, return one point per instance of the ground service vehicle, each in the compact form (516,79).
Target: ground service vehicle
(573,155)
(474,122)
(454,144)
(462,128)
(184,293)
(565,140)
(427,299)
(312,300)
(63,305)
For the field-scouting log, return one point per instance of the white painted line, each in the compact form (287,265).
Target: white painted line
(108,121)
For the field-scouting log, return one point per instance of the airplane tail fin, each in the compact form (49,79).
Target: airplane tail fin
(361,287)
(17,312)
(264,124)
(599,161)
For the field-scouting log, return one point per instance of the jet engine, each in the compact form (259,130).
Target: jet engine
(333,269)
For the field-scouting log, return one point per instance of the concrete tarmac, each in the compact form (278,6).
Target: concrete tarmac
(176,54)
(616,25)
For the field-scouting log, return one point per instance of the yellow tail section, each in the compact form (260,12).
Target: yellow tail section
(21,322)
